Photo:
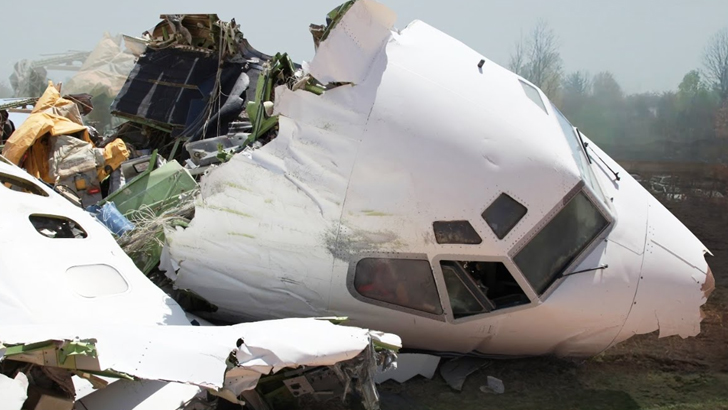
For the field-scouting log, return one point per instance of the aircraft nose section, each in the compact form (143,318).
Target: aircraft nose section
(675,279)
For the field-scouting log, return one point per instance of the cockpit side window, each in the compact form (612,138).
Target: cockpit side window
(533,95)
(407,283)
(475,287)
(545,258)
(578,151)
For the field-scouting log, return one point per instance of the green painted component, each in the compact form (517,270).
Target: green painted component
(383,346)
(335,16)
(135,180)
(280,69)
(155,191)
(18,103)
(175,147)
(110,373)
(337,320)
(222,155)
(314,88)
(76,348)
(29,348)
(265,126)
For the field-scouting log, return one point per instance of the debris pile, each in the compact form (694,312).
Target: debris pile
(82,324)
(54,145)
(197,93)
(243,186)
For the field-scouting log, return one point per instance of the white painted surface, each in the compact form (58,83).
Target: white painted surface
(422,135)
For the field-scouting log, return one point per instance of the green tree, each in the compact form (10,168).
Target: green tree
(696,106)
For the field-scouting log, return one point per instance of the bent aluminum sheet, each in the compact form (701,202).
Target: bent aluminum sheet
(421,133)
(198,355)
(68,280)
(86,289)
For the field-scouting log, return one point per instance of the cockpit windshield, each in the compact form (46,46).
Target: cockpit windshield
(545,258)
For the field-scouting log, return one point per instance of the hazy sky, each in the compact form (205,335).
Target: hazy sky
(648,44)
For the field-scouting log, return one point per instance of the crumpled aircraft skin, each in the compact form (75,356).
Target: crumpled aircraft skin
(425,129)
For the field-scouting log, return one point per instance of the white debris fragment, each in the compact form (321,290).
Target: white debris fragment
(119,323)
(494,385)
(13,392)
(408,366)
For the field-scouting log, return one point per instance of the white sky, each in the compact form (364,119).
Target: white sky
(648,44)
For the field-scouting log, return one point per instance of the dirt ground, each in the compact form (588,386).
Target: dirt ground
(643,373)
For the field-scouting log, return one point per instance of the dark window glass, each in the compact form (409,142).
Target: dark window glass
(533,95)
(20,185)
(461,232)
(549,253)
(462,300)
(403,282)
(57,227)
(503,214)
(477,287)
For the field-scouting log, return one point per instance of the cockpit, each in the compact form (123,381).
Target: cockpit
(455,288)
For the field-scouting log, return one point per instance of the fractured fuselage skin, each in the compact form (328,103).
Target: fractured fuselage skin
(358,176)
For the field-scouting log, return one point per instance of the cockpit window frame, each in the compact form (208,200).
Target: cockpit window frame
(505,260)
(604,210)
(594,184)
(437,278)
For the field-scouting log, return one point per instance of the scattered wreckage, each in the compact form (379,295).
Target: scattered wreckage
(444,199)
(83,317)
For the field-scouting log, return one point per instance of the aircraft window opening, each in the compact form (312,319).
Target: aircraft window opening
(409,283)
(21,185)
(503,215)
(476,287)
(550,252)
(533,95)
(57,227)
(455,232)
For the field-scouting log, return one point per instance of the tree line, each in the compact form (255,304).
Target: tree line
(686,124)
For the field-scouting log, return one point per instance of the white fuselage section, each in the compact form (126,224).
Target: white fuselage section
(425,135)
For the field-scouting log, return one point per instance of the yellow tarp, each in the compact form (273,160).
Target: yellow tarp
(52,116)
(115,153)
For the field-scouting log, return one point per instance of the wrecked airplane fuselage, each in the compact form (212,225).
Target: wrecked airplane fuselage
(442,197)
(76,310)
